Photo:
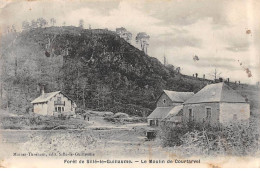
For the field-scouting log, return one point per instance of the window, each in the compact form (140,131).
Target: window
(164,101)
(152,123)
(62,108)
(55,109)
(191,116)
(208,113)
(59,99)
(156,122)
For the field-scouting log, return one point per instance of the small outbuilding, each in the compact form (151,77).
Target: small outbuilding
(215,105)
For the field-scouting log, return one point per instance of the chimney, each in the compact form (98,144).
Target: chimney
(203,76)
(42,90)
(228,80)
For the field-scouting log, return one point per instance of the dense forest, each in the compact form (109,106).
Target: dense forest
(96,68)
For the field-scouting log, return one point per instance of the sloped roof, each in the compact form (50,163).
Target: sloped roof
(219,92)
(176,96)
(160,112)
(45,97)
(175,111)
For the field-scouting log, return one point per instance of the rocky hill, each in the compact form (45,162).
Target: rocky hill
(96,68)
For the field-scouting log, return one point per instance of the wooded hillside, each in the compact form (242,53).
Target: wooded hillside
(96,68)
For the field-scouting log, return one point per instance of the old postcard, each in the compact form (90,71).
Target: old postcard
(129,83)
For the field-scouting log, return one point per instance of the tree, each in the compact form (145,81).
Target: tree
(123,33)
(41,22)
(84,85)
(34,24)
(178,69)
(26,25)
(81,23)
(53,21)
(143,39)
(102,93)
(13,29)
(215,74)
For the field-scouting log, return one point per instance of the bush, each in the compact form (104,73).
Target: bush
(120,115)
(235,140)
(100,113)
(124,118)
(171,136)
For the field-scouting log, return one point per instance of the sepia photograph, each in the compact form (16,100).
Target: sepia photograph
(129,83)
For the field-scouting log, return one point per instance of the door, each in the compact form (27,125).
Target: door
(59,109)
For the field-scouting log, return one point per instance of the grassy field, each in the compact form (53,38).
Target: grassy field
(101,143)
(116,141)
(38,122)
(97,136)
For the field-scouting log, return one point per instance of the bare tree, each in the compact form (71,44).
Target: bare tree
(215,74)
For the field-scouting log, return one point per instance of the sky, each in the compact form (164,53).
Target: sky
(224,34)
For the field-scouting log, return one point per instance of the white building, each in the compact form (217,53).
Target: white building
(53,103)
(216,104)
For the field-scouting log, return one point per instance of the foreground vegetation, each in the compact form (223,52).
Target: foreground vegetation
(82,120)
(235,140)
(37,122)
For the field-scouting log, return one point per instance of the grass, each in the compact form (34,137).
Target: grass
(37,122)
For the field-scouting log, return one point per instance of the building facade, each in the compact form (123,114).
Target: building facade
(216,105)
(53,103)
(167,103)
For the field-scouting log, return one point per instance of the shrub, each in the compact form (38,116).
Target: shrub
(235,140)
(120,115)
(171,136)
